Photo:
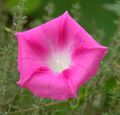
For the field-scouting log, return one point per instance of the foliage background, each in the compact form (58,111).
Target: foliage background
(99,96)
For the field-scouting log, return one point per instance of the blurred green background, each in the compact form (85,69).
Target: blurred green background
(99,96)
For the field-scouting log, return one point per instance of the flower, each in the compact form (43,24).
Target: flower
(56,58)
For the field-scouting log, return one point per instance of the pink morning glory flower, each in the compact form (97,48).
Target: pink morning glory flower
(56,58)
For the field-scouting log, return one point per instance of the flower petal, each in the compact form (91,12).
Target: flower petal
(29,57)
(86,53)
(49,85)
(87,63)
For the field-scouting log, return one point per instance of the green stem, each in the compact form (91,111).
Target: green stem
(33,108)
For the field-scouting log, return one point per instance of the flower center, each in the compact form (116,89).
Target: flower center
(59,62)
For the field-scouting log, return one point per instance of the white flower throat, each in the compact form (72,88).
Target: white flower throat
(59,61)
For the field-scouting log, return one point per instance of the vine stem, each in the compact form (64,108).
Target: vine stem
(33,108)
(17,18)
(21,14)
